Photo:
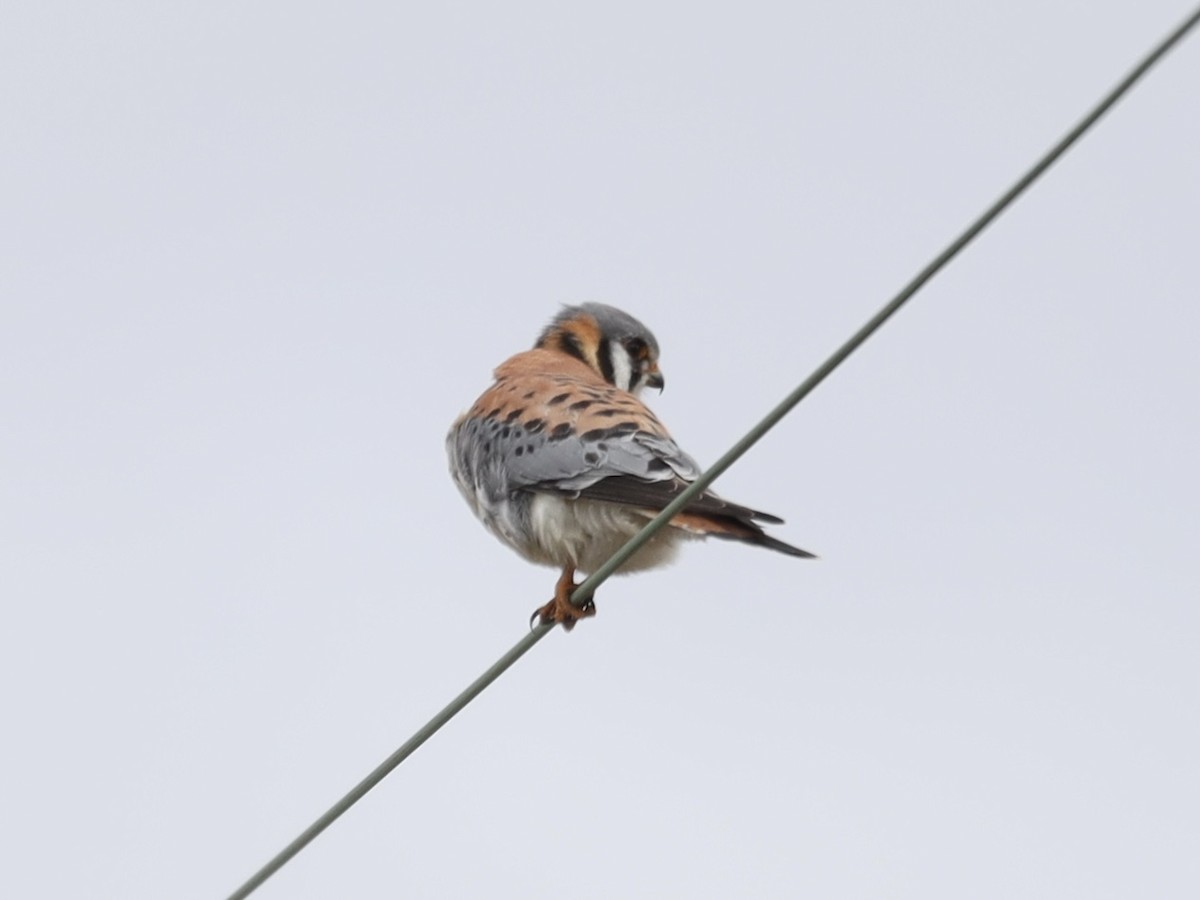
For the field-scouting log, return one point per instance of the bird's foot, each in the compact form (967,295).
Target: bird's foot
(561,613)
(560,610)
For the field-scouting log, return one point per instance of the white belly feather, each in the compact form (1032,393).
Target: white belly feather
(587,532)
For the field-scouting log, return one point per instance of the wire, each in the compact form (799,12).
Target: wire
(384,768)
(588,587)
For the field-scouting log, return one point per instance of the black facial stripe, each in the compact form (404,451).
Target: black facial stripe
(570,345)
(604,355)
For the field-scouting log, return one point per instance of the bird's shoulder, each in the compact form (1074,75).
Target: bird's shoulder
(557,394)
(549,422)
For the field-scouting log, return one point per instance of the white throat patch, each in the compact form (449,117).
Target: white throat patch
(622,366)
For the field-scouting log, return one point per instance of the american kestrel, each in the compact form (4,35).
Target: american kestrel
(562,461)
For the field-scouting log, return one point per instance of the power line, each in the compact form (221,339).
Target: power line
(590,584)
(384,768)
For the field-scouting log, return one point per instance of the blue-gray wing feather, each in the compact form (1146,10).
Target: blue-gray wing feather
(510,457)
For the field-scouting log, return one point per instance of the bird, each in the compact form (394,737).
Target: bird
(564,463)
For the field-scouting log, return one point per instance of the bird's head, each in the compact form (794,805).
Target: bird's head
(619,347)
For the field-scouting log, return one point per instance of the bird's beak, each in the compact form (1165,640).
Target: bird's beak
(654,378)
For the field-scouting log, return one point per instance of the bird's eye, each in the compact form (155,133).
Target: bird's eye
(636,348)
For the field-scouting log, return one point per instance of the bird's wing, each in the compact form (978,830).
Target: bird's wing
(550,425)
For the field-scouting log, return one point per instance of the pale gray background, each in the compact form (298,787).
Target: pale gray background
(256,257)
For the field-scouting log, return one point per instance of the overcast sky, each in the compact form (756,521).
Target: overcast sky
(256,257)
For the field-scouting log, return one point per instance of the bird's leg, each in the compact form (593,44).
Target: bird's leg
(561,610)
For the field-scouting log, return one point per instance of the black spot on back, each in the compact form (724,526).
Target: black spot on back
(561,432)
(591,457)
(533,426)
(555,400)
(581,404)
(513,416)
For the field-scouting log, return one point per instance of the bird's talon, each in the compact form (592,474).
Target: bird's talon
(560,610)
